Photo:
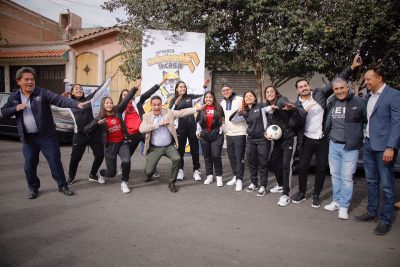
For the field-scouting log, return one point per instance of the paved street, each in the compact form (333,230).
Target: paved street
(198,226)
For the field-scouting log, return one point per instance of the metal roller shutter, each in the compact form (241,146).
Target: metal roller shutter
(240,82)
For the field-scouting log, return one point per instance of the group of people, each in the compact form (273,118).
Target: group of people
(331,127)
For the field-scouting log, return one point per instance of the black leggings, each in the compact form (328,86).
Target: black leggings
(183,135)
(111,151)
(257,156)
(236,146)
(212,155)
(281,161)
(79,143)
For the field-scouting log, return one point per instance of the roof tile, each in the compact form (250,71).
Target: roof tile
(32,53)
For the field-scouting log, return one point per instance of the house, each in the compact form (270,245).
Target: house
(61,52)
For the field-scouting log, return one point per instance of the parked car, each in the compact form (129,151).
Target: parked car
(62,119)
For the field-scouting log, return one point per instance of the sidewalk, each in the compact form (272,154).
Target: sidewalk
(200,225)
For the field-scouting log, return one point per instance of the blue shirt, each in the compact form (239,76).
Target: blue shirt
(29,120)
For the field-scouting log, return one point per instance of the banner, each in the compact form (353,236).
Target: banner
(177,56)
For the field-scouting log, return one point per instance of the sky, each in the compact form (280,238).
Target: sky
(89,10)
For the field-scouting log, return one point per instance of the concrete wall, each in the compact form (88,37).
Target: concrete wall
(288,89)
(108,44)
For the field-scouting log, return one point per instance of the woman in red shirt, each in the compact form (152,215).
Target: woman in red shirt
(209,131)
(132,117)
(114,139)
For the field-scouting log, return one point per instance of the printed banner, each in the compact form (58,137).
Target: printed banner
(178,56)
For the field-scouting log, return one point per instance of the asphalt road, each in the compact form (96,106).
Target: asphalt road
(200,225)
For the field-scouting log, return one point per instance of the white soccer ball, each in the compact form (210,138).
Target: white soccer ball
(273,132)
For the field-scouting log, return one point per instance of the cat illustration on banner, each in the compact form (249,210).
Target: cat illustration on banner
(167,90)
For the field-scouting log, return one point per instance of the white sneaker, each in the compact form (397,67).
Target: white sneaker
(232,181)
(239,186)
(180,175)
(97,178)
(276,189)
(284,200)
(209,179)
(332,206)
(251,188)
(343,214)
(101,180)
(156,175)
(124,187)
(261,192)
(196,175)
(219,181)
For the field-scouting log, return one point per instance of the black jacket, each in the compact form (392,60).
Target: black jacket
(85,115)
(320,95)
(40,101)
(288,120)
(215,125)
(355,118)
(186,102)
(255,121)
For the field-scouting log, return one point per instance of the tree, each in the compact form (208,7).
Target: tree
(281,39)
(240,34)
(345,27)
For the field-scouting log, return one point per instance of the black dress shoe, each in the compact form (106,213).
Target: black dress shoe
(382,229)
(172,187)
(366,217)
(66,191)
(71,180)
(33,193)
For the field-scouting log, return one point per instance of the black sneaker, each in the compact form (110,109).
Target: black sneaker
(365,217)
(65,191)
(315,202)
(382,229)
(33,193)
(71,180)
(299,197)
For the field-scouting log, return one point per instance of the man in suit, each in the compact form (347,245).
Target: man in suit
(161,138)
(36,128)
(380,148)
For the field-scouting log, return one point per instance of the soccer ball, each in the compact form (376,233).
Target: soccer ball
(273,132)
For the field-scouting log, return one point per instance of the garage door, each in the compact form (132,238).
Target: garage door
(240,82)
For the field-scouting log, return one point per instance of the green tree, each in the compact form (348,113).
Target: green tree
(345,27)
(266,35)
(281,39)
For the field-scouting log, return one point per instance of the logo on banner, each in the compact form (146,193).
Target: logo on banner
(175,37)
(174,61)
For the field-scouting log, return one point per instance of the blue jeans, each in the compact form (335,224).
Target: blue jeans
(343,165)
(51,151)
(376,172)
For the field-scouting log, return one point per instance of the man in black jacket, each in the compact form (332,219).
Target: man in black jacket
(313,141)
(36,128)
(345,118)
